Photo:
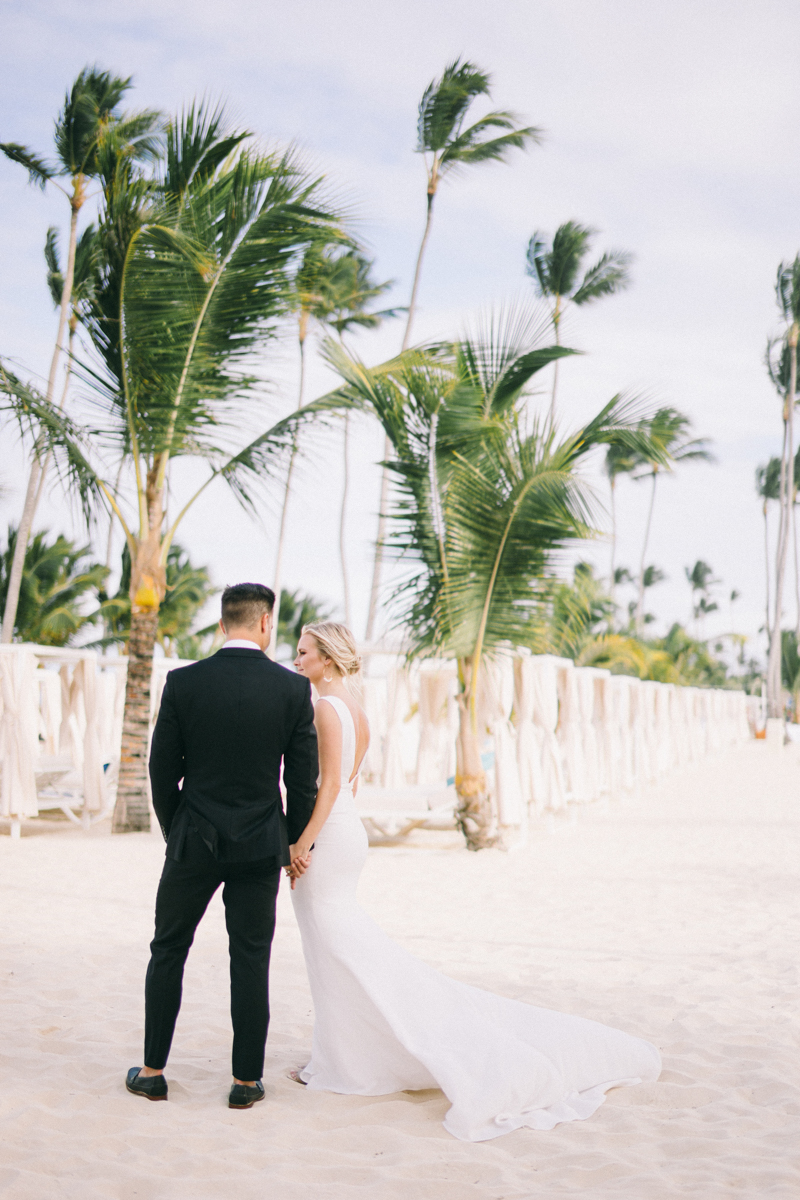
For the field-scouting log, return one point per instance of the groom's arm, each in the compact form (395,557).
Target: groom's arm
(301,768)
(167,761)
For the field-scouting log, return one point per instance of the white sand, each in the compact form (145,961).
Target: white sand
(675,917)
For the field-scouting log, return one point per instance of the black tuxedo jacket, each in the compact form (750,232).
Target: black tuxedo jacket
(223,727)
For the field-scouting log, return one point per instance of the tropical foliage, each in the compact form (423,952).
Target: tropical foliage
(204,250)
(297,609)
(448,146)
(334,289)
(88,127)
(188,588)
(488,496)
(558,275)
(59,579)
(782,367)
(670,445)
(197,266)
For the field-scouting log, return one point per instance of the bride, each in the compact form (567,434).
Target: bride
(385,1021)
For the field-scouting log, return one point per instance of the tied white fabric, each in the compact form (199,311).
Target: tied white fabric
(386,1022)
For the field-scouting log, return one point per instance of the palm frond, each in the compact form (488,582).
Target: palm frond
(206,286)
(55,277)
(263,458)
(467,149)
(608,276)
(787,290)
(52,432)
(445,102)
(40,172)
(198,142)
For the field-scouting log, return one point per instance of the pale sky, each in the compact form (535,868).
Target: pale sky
(672,129)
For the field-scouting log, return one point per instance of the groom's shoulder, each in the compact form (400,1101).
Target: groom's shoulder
(287,678)
(278,674)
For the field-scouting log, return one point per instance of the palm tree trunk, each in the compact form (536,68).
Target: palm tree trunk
(35,478)
(640,602)
(474,812)
(412,304)
(110,541)
(278,571)
(774,690)
(377,562)
(767,621)
(796,568)
(132,810)
(147,590)
(556,324)
(343,524)
(387,446)
(612,588)
(61,403)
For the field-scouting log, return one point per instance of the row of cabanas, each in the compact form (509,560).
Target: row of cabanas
(60,730)
(553,733)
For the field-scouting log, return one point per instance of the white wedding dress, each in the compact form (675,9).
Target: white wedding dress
(386,1022)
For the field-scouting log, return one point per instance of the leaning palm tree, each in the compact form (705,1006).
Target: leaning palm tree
(484,504)
(700,578)
(333,288)
(556,272)
(204,278)
(448,147)
(768,485)
(89,119)
(787,291)
(669,446)
(83,285)
(618,461)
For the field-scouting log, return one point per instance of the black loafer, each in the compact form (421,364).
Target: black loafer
(154,1087)
(243,1096)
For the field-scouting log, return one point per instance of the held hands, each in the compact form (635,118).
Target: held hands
(301,861)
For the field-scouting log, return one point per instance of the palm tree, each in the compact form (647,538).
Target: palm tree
(578,609)
(700,578)
(669,446)
(790,669)
(57,580)
(556,269)
(333,288)
(618,461)
(83,285)
(298,609)
(485,502)
(448,147)
(652,576)
(203,271)
(768,486)
(89,119)
(787,291)
(187,589)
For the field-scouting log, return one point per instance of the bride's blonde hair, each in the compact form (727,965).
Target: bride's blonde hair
(337,643)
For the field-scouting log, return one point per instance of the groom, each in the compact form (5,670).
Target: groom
(224,725)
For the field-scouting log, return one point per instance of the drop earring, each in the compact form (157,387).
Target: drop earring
(327,680)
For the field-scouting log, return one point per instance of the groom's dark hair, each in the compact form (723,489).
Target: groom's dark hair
(244,604)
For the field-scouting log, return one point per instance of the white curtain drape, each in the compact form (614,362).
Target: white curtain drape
(19,732)
(438,724)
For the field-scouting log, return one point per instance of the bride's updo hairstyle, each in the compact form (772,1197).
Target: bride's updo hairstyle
(336,642)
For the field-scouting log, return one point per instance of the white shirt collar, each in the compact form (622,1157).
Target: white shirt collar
(241,644)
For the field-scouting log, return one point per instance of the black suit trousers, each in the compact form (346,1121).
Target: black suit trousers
(249,894)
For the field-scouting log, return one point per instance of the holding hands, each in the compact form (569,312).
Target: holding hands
(301,861)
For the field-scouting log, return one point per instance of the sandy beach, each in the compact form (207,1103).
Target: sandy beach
(675,916)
